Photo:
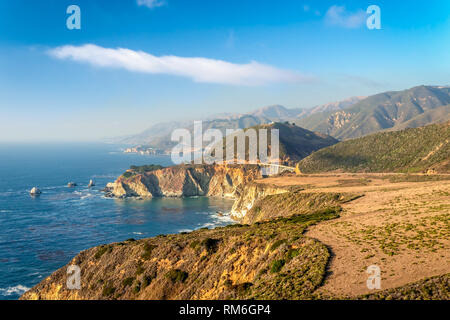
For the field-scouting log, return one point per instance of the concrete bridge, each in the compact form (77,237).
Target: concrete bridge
(271,169)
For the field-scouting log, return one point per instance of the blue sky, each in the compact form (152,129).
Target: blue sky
(61,84)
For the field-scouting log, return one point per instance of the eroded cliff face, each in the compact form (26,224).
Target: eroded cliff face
(247,195)
(185,181)
(258,201)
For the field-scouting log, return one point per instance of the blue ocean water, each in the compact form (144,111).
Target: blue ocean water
(41,234)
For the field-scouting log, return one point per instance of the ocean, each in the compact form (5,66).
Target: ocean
(41,234)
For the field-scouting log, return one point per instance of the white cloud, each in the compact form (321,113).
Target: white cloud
(151,3)
(339,16)
(198,69)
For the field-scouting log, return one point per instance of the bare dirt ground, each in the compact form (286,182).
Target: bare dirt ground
(399,225)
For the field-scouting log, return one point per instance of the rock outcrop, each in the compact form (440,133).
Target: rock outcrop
(184,181)
(248,195)
(35,191)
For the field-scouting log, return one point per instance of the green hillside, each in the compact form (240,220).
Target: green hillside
(410,150)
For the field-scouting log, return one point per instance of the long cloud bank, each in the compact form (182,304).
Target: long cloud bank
(198,69)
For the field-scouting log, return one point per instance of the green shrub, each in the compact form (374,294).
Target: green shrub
(137,288)
(128,281)
(277,265)
(242,288)
(146,281)
(128,174)
(228,284)
(291,254)
(276,244)
(210,245)
(148,248)
(146,168)
(140,270)
(176,275)
(108,290)
(101,251)
(194,244)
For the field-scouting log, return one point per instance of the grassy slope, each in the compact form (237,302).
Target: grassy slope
(273,206)
(270,260)
(434,288)
(411,150)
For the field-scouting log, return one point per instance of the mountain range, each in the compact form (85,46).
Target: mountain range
(393,110)
(351,118)
(158,135)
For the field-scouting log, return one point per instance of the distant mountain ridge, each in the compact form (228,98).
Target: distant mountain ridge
(350,118)
(158,135)
(393,110)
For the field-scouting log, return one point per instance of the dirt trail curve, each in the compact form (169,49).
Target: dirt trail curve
(402,227)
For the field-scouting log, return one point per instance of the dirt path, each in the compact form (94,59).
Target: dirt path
(403,229)
(401,226)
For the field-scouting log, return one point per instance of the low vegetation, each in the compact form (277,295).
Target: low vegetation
(266,260)
(141,170)
(295,203)
(434,288)
(409,151)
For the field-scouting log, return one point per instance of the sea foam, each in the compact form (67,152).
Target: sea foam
(19,289)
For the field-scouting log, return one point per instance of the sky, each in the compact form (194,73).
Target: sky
(134,63)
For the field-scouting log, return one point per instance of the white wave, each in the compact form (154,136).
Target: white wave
(105,176)
(52,188)
(19,289)
(138,233)
(208,225)
(218,220)
(10,193)
(185,230)
(89,195)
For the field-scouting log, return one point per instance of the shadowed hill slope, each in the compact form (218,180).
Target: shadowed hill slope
(295,143)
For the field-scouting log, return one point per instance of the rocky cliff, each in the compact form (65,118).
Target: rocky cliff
(259,202)
(270,260)
(247,195)
(184,181)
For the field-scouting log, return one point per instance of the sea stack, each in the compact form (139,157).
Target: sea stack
(35,191)
(91,184)
(71,184)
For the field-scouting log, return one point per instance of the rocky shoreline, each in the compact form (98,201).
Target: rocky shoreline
(229,181)
(280,249)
